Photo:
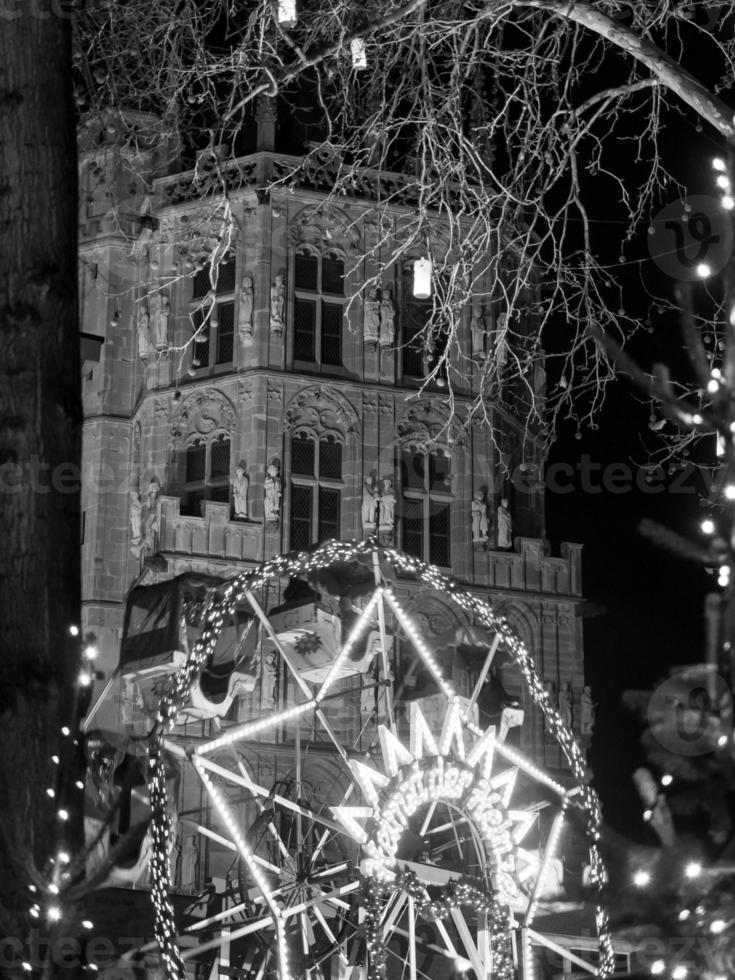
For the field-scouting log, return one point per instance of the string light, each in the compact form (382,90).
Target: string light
(657,967)
(730,491)
(723,182)
(708,526)
(679,972)
(703,270)
(74,631)
(641,878)
(719,164)
(667,779)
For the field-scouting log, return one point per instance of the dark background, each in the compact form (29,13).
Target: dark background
(652,599)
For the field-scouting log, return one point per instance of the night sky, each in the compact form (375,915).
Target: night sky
(652,599)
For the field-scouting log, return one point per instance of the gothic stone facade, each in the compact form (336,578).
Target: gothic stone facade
(258,351)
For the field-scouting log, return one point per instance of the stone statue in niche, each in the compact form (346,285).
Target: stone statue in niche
(505,526)
(539,375)
(477,331)
(272,492)
(367,693)
(480,523)
(269,680)
(245,313)
(566,702)
(387,508)
(164,312)
(136,522)
(370,504)
(502,347)
(278,305)
(240,484)
(371,327)
(587,711)
(144,333)
(387,319)
(152,522)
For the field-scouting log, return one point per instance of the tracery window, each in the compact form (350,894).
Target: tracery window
(426,506)
(214,343)
(318,309)
(315,489)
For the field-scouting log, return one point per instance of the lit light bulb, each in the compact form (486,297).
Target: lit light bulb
(422,278)
(90,651)
(693,869)
(287,12)
(684,915)
(50,793)
(667,779)
(647,815)
(87,924)
(713,386)
(719,164)
(722,741)
(359,54)
(728,202)
(85,678)
(723,181)
(26,966)
(658,967)
(641,878)
(703,270)
(65,731)
(679,972)
(717,926)
(730,491)
(63,814)
(64,857)
(74,631)
(54,913)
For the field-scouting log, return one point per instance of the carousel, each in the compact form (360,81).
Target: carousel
(341,796)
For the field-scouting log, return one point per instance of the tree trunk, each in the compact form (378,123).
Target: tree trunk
(40,416)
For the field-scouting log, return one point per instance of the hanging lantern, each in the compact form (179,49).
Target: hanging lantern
(359,54)
(422,278)
(287,12)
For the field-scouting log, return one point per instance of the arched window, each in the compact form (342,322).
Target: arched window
(318,309)
(315,489)
(206,473)
(426,505)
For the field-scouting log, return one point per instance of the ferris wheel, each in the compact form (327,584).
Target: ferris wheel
(376,826)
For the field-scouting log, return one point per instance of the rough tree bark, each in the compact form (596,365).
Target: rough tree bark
(40,414)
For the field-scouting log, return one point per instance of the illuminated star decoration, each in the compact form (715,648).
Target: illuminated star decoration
(476,775)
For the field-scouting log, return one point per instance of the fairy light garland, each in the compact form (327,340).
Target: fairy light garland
(303,563)
(63,863)
(460,893)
